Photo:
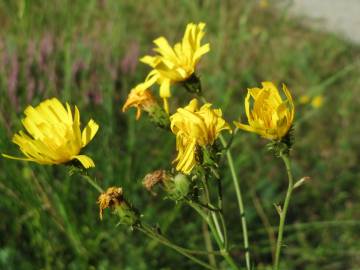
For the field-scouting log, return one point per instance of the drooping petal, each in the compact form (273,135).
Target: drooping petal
(89,132)
(86,161)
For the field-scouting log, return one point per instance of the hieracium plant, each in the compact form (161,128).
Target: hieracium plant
(53,136)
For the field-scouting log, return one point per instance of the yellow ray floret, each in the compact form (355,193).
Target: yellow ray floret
(141,98)
(267,113)
(178,63)
(53,134)
(195,127)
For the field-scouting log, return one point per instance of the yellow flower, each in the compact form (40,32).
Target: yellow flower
(53,135)
(317,101)
(271,116)
(304,99)
(176,64)
(264,4)
(141,99)
(195,127)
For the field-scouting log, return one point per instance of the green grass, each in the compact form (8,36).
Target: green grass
(74,50)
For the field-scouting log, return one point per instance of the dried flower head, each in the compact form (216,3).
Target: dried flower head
(111,198)
(153,178)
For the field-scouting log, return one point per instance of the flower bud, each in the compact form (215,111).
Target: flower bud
(176,187)
(181,185)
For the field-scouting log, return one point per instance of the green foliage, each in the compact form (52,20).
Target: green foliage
(86,53)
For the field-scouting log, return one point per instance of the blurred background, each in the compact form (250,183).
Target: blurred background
(86,52)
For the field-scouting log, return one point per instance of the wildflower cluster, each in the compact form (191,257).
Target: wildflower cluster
(53,136)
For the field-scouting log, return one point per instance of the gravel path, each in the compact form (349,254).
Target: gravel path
(338,16)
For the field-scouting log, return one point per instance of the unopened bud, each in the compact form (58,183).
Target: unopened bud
(301,182)
(181,186)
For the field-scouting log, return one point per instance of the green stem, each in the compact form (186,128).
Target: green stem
(167,243)
(240,202)
(205,224)
(208,244)
(230,260)
(159,238)
(208,221)
(224,251)
(191,251)
(283,212)
(213,215)
(92,183)
(238,194)
(221,215)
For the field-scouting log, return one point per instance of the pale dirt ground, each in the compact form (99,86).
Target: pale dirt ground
(338,16)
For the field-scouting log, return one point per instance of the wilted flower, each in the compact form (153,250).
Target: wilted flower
(113,198)
(195,128)
(176,64)
(154,178)
(270,115)
(53,135)
(141,99)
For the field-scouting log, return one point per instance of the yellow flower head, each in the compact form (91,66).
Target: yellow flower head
(141,99)
(195,127)
(53,134)
(304,99)
(270,115)
(178,63)
(317,101)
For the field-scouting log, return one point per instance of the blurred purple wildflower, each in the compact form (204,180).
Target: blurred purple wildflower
(130,60)
(13,80)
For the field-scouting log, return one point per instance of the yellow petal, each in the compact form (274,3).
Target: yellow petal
(86,161)
(164,48)
(165,89)
(17,158)
(89,132)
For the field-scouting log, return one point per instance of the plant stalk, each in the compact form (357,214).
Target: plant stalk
(92,183)
(283,212)
(167,243)
(240,202)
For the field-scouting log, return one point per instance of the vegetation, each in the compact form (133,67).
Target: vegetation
(86,53)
